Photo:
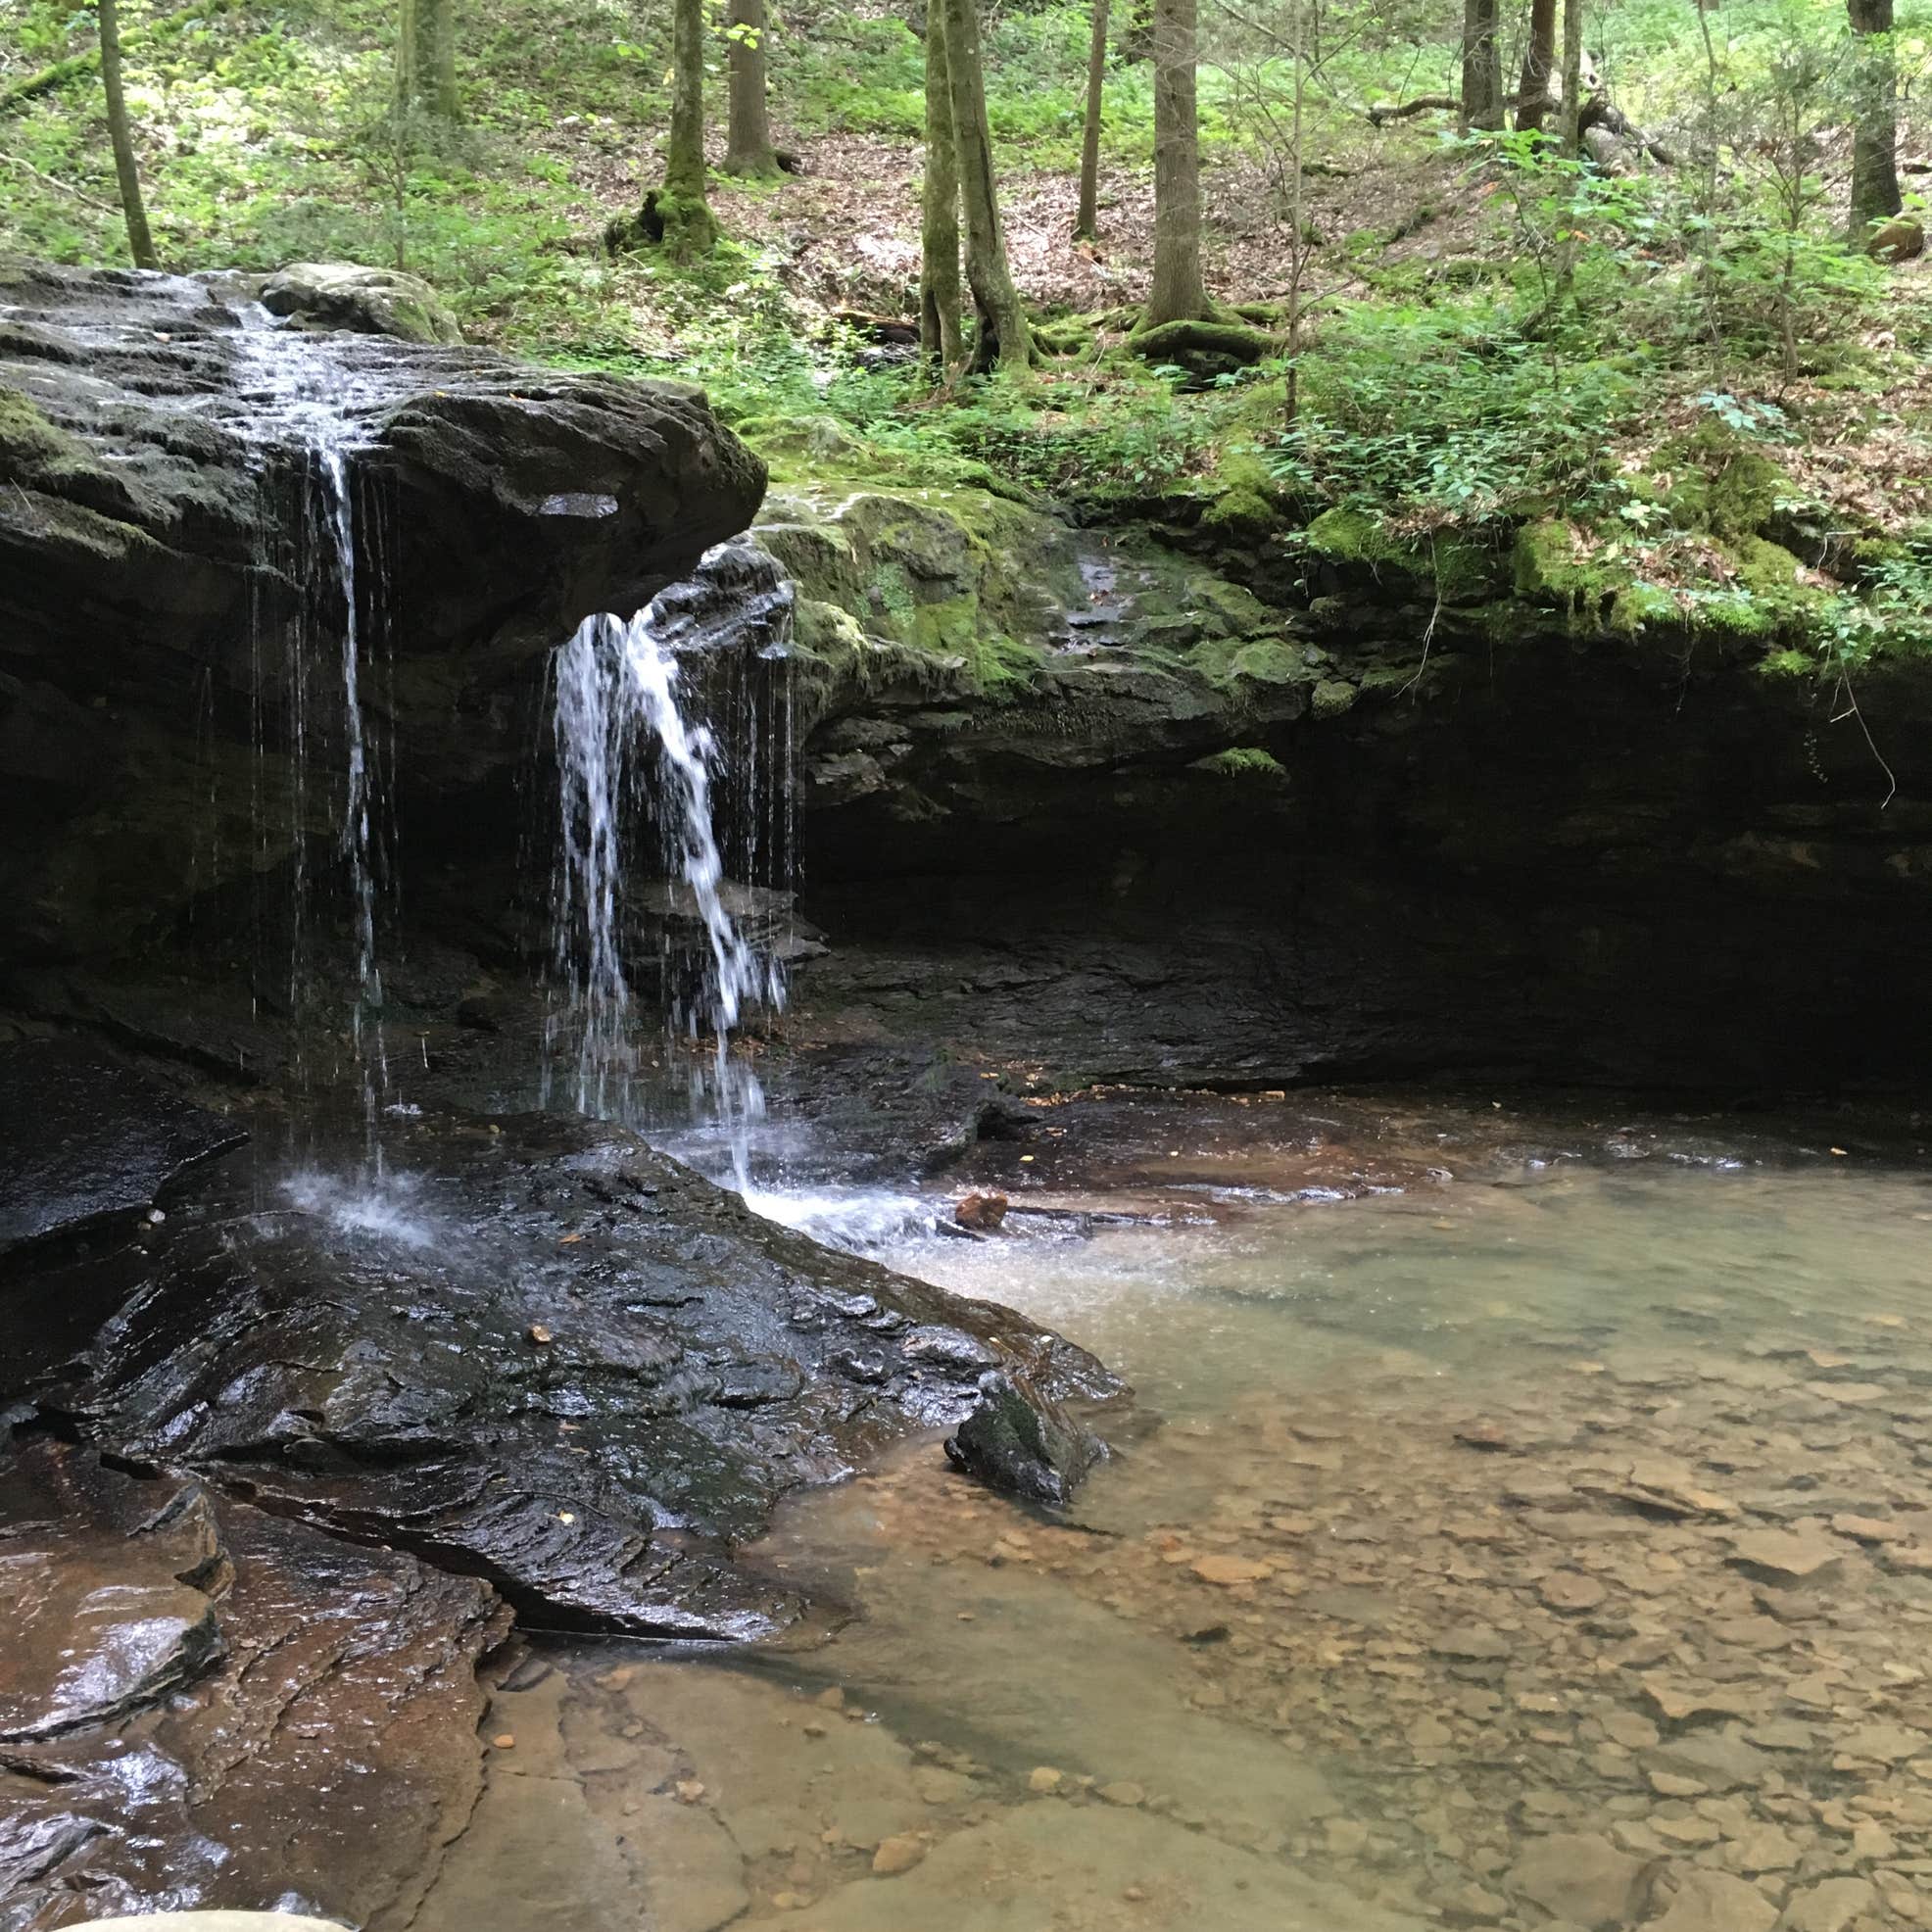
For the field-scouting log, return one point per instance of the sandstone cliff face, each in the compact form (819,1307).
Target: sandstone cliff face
(1077,798)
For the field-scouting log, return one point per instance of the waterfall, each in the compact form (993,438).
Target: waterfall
(634,748)
(365,1013)
(323,533)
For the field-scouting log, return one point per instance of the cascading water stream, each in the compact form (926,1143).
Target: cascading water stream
(622,721)
(365,1014)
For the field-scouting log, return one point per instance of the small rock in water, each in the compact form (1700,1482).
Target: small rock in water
(537,1333)
(1483,1435)
(1123,1791)
(1044,1778)
(1782,1556)
(1570,1591)
(1017,1440)
(1830,1907)
(898,1854)
(982,1213)
(1473,1644)
(1869,1529)
(1227,1572)
(1715,1901)
(1578,1877)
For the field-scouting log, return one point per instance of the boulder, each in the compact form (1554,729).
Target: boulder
(182,1739)
(1901,239)
(172,714)
(343,295)
(361,1359)
(1017,1440)
(85,1141)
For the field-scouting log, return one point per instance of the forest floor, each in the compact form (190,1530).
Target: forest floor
(1486,343)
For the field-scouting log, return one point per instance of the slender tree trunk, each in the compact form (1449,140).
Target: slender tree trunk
(689,226)
(1539,52)
(140,244)
(749,146)
(1002,340)
(1178,293)
(442,91)
(1482,67)
(1875,131)
(408,57)
(1087,223)
(1572,77)
(1297,218)
(940,340)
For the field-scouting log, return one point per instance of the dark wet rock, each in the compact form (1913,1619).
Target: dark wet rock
(1015,1440)
(84,1140)
(167,584)
(361,1359)
(344,295)
(1514,851)
(324,1675)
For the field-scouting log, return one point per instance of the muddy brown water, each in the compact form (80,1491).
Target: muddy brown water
(1526,1523)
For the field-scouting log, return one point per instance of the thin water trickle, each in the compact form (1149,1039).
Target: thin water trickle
(631,748)
(366,1011)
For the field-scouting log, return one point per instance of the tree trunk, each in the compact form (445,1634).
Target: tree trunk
(1875,129)
(1572,77)
(441,95)
(1532,94)
(1482,66)
(1178,293)
(1087,223)
(748,147)
(140,244)
(408,57)
(1002,340)
(688,227)
(941,342)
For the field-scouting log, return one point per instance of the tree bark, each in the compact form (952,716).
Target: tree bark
(409,55)
(1572,77)
(1532,94)
(1087,223)
(688,227)
(1875,130)
(941,339)
(1002,340)
(140,243)
(749,146)
(1178,293)
(441,95)
(1482,67)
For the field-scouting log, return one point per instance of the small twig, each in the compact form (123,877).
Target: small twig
(1429,629)
(1851,701)
(54,181)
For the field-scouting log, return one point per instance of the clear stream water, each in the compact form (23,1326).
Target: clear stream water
(1537,1546)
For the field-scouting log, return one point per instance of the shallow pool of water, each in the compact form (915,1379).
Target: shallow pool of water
(1545,1540)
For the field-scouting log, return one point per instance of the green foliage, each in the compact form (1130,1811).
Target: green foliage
(1450,413)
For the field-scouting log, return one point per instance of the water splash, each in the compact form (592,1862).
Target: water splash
(632,746)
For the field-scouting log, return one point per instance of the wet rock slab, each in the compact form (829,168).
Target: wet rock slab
(201,1706)
(546,1356)
(84,1140)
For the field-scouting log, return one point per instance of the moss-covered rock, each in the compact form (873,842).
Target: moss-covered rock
(345,294)
(967,581)
(1557,562)
(1244,761)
